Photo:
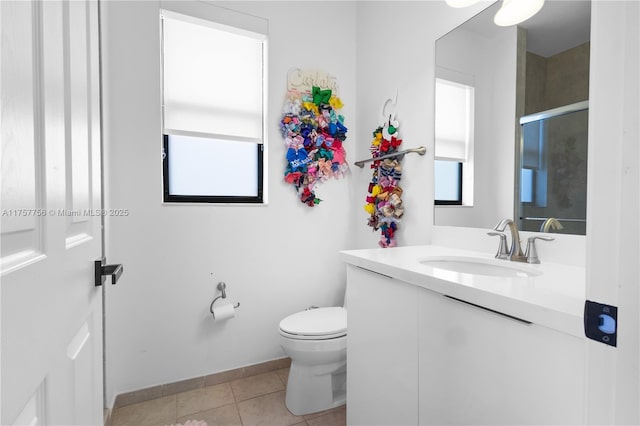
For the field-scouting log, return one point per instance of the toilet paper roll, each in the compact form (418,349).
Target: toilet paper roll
(223,312)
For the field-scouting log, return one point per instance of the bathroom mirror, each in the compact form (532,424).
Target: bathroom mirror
(488,164)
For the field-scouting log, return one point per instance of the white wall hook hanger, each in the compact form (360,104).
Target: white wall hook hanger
(387,116)
(389,122)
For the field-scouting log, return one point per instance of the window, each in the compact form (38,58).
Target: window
(213,113)
(533,170)
(453,143)
(527,185)
(448,182)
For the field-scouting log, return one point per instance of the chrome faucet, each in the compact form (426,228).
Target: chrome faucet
(551,223)
(515,253)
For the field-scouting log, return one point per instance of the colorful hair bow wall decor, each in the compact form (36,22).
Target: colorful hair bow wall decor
(384,200)
(314,133)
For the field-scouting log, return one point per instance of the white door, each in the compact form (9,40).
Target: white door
(51,312)
(613,204)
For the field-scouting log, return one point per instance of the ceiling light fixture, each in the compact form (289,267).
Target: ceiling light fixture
(513,12)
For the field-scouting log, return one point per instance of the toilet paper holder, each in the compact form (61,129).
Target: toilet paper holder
(223,289)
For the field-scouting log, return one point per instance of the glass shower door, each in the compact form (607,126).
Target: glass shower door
(553,170)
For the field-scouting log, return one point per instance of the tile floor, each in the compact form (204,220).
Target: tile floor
(254,400)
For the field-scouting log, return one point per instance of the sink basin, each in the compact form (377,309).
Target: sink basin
(480,266)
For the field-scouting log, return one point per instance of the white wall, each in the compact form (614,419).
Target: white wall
(276,259)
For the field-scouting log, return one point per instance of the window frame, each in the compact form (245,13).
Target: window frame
(221,199)
(260,198)
(465,159)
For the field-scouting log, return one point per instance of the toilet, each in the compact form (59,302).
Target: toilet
(316,342)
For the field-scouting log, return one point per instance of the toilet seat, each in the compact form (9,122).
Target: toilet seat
(315,324)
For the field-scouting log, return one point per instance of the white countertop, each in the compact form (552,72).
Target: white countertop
(553,299)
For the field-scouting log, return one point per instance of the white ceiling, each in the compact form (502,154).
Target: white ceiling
(558,26)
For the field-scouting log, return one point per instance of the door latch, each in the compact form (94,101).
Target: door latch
(600,322)
(101,271)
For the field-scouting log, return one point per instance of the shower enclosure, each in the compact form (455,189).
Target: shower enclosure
(553,170)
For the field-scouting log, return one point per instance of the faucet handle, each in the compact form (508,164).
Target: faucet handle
(502,225)
(531,253)
(502,247)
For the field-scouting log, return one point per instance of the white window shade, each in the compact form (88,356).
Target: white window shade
(453,120)
(207,88)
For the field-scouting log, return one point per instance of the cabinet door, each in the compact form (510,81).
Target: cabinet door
(382,350)
(480,367)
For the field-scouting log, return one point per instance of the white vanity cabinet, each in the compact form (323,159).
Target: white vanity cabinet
(382,350)
(416,356)
(481,367)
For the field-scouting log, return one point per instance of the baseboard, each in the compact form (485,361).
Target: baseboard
(166,389)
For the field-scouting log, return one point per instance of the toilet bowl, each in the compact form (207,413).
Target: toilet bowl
(316,342)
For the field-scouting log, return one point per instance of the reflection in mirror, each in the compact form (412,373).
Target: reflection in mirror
(539,68)
(553,170)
